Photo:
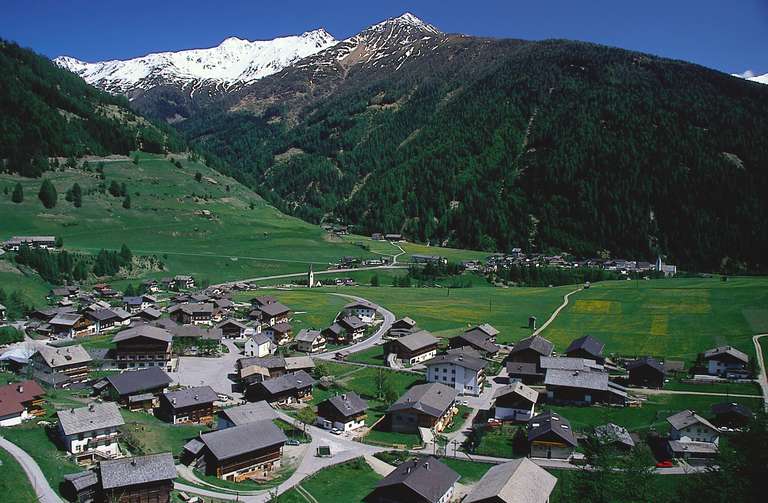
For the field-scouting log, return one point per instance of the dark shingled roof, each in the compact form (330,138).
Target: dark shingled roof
(646,361)
(288,382)
(417,340)
(534,342)
(231,442)
(427,477)
(479,338)
(589,344)
(726,352)
(137,470)
(731,407)
(459,360)
(348,404)
(274,308)
(191,396)
(687,418)
(522,368)
(432,398)
(144,331)
(139,380)
(82,480)
(551,422)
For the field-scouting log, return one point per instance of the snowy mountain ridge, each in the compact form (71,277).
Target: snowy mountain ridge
(234,61)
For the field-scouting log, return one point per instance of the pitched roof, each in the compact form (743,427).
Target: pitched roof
(518,388)
(65,319)
(351,323)
(267,362)
(478,338)
(139,380)
(67,355)
(148,331)
(568,363)
(647,361)
(459,360)
(551,422)
(536,343)
(137,470)
(307,335)
(361,304)
(577,379)
(427,477)
(686,418)
(232,442)
(731,407)
(82,480)
(274,309)
(589,344)
(92,417)
(522,368)
(488,329)
(288,382)
(14,394)
(681,448)
(431,398)
(348,404)
(238,324)
(280,328)
(191,396)
(409,322)
(726,352)
(102,314)
(298,362)
(613,432)
(465,351)
(417,340)
(518,481)
(249,413)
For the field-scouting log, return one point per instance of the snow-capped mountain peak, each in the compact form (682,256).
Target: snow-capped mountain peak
(234,61)
(750,75)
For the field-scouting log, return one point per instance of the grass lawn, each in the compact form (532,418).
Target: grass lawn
(154,435)
(651,416)
(359,480)
(391,438)
(736,388)
(14,483)
(310,309)
(459,419)
(34,440)
(470,471)
(371,356)
(672,318)
(364,382)
(496,441)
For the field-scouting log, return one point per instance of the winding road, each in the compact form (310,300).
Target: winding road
(762,380)
(43,490)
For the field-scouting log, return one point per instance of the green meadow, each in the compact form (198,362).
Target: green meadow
(673,318)
(166,219)
(14,483)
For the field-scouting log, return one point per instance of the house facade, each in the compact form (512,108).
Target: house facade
(258,346)
(550,436)
(143,346)
(286,389)
(138,479)
(60,367)
(423,406)
(310,341)
(421,480)
(411,349)
(20,402)
(725,360)
(91,432)
(515,402)
(646,372)
(189,405)
(345,412)
(530,350)
(364,310)
(463,373)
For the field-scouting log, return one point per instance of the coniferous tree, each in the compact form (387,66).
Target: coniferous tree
(198,177)
(114,188)
(18,193)
(125,253)
(48,194)
(127,202)
(77,195)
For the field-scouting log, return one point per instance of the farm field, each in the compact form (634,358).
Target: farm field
(165,219)
(663,486)
(14,483)
(668,318)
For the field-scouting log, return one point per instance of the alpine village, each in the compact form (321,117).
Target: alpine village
(403,266)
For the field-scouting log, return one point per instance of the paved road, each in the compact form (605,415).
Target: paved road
(762,380)
(302,274)
(44,492)
(647,391)
(199,371)
(384,327)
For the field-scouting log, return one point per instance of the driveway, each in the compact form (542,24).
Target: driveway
(214,372)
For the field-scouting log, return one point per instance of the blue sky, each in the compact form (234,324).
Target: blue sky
(729,35)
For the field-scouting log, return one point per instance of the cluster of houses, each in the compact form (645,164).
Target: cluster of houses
(42,242)
(518,258)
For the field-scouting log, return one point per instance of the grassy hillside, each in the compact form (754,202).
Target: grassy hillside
(165,219)
(674,318)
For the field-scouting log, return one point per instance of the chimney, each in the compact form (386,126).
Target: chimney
(91,407)
(343,396)
(20,388)
(197,396)
(133,461)
(426,465)
(173,401)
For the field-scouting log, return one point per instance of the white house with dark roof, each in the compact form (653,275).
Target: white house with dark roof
(310,341)
(687,426)
(259,345)
(423,406)
(91,431)
(363,309)
(725,359)
(345,412)
(515,402)
(463,373)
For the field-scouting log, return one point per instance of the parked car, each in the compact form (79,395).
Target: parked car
(292,441)
(336,431)
(667,463)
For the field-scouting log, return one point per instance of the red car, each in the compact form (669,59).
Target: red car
(667,463)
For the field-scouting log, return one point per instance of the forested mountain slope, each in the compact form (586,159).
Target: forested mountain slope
(492,144)
(46,111)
